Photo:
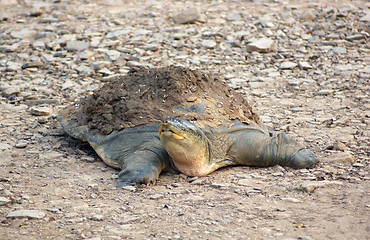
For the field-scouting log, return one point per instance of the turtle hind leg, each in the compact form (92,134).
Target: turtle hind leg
(144,165)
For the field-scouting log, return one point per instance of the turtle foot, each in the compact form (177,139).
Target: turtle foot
(147,175)
(303,159)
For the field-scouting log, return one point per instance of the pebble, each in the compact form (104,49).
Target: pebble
(290,199)
(4,201)
(23,33)
(129,188)
(156,196)
(26,214)
(304,65)
(341,157)
(10,91)
(287,65)
(96,217)
(262,45)
(40,110)
(77,45)
(5,146)
(339,50)
(21,144)
(189,15)
(311,186)
(208,44)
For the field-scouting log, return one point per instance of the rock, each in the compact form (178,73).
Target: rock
(10,91)
(245,182)
(41,110)
(49,20)
(262,45)
(129,188)
(233,16)
(358,165)
(5,146)
(304,65)
(189,15)
(342,157)
(156,196)
(311,186)
(290,199)
(4,201)
(365,18)
(208,44)
(21,144)
(96,217)
(13,66)
(35,64)
(24,33)
(26,214)
(287,65)
(77,45)
(113,54)
(339,50)
(355,37)
(105,71)
(308,16)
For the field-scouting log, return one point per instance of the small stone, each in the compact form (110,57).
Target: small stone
(10,91)
(343,67)
(304,65)
(245,182)
(96,217)
(26,214)
(358,165)
(308,16)
(290,199)
(339,50)
(35,64)
(113,54)
(21,144)
(77,45)
(365,18)
(4,201)
(342,157)
(24,33)
(311,186)
(5,146)
(189,15)
(208,44)
(40,110)
(325,92)
(288,65)
(355,37)
(105,71)
(129,188)
(262,45)
(233,16)
(156,196)
(49,20)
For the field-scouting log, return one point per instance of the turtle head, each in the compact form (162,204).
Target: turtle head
(187,145)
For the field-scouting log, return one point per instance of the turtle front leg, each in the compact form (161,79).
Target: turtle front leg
(254,148)
(144,165)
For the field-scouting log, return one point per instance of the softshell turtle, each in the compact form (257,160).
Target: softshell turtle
(176,118)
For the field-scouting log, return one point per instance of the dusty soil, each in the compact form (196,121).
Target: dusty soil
(149,95)
(312,84)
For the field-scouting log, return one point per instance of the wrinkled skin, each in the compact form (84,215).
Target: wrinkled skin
(142,156)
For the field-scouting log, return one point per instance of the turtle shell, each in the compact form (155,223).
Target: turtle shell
(144,96)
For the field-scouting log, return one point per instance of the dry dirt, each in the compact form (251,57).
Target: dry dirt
(313,85)
(146,95)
